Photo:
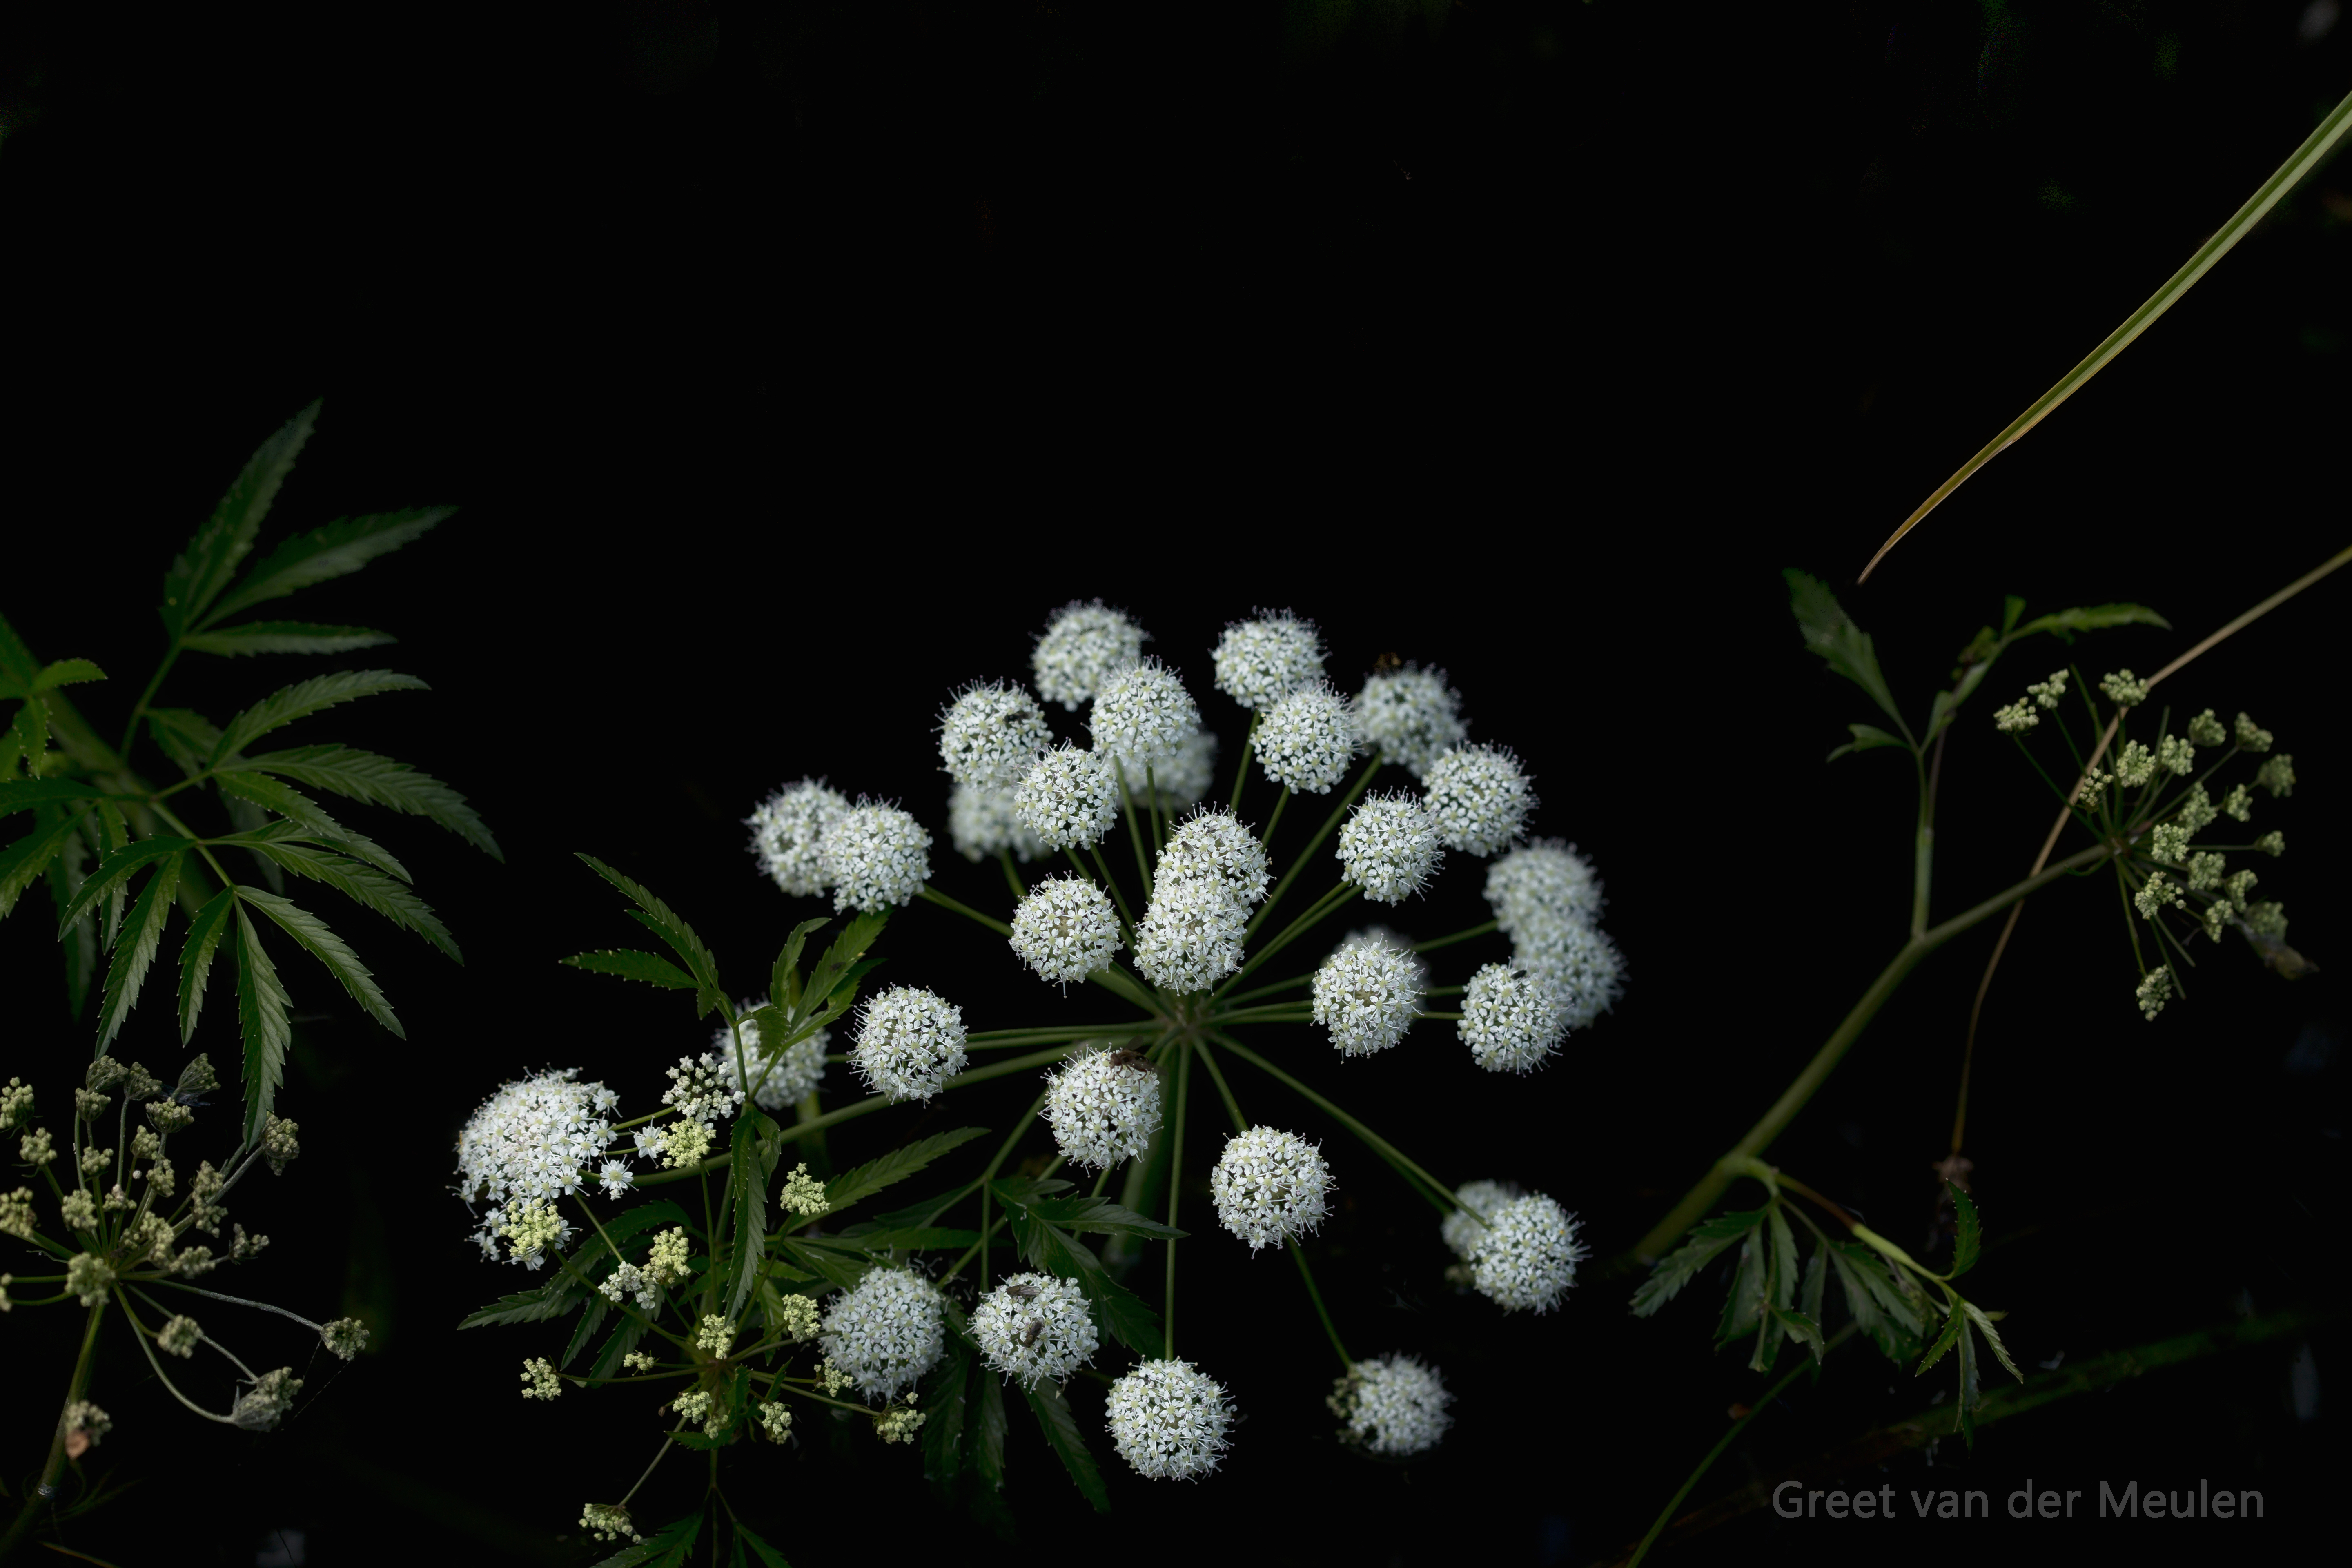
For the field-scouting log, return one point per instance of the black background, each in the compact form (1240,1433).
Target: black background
(791,363)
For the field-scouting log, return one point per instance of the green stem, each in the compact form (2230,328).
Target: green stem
(1012,877)
(1291,933)
(1346,1361)
(39,1494)
(1438,1194)
(1291,1012)
(1151,799)
(139,708)
(1126,916)
(1134,834)
(990,921)
(1224,1090)
(1296,980)
(1433,943)
(1329,823)
(1275,816)
(1241,775)
(1003,1152)
(1175,1193)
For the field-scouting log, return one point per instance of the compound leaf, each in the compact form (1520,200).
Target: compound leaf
(894,1167)
(136,953)
(261,1007)
(336,549)
(286,636)
(202,571)
(378,781)
(1061,1429)
(330,950)
(302,699)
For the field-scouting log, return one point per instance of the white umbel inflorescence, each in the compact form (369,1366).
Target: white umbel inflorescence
(1269,1186)
(1167,1419)
(1462,1231)
(1035,1327)
(1575,962)
(530,1143)
(887,1334)
(1547,878)
(1065,929)
(982,822)
(909,1042)
(1389,847)
(1262,660)
(1103,1106)
(1481,797)
(788,832)
(1069,798)
(1082,646)
(1367,993)
(1527,1259)
(1306,741)
(989,734)
(1509,1020)
(1143,715)
(1412,715)
(876,856)
(1191,935)
(1393,1406)
(1213,841)
(785,1082)
(1180,779)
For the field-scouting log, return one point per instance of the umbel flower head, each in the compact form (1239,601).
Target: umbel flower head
(1308,740)
(984,822)
(989,734)
(1509,1020)
(1367,993)
(1191,936)
(259,1409)
(1269,1186)
(1083,646)
(909,1042)
(1033,1327)
(1142,716)
(1103,1106)
(787,829)
(886,1333)
(1213,841)
(1462,1231)
(1480,797)
(1393,1406)
(1573,961)
(1069,797)
(1412,716)
(876,856)
(1065,929)
(1527,1258)
(529,1143)
(1168,1420)
(1545,879)
(1389,847)
(787,1081)
(1177,782)
(1268,658)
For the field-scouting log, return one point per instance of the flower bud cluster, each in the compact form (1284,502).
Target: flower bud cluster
(1065,929)
(1081,648)
(1069,798)
(1035,1327)
(1367,993)
(876,856)
(1309,741)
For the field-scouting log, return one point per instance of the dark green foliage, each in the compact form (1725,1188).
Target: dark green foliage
(1048,1245)
(658,917)
(632,963)
(894,1167)
(1967,1239)
(1061,1436)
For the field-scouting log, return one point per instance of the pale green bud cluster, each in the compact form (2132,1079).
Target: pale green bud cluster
(37,1147)
(2155,991)
(345,1338)
(88,1277)
(530,1226)
(716,1335)
(271,1396)
(78,1210)
(2158,892)
(2168,843)
(671,1249)
(2197,811)
(2277,775)
(2017,716)
(776,1419)
(2124,689)
(16,1102)
(803,1194)
(638,1360)
(2135,765)
(2239,804)
(278,1143)
(795,1318)
(539,1379)
(2204,872)
(2176,755)
(2273,843)
(179,1337)
(607,1521)
(2252,737)
(16,1213)
(2205,729)
(899,1423)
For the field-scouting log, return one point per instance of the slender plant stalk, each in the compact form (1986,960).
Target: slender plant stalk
(1175,1192)
(41,1491)
(1438,1194)
(1433,943)
(1241,775)
(1307,854)
(990,921)
(1346,1361)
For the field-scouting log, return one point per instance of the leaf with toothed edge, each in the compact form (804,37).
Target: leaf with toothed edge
(633,964)
(196,958)
(22,863)
(132,957)
(375,780)
(658,918)
(1967,1239)
(1061,1436)
(201,573)
(335,550)
(315,937)
(261,1016)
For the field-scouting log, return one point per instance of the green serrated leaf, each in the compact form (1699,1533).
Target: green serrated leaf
(65,672)
(537,1304)
(261,1008)
(337,550)
(285,636)
(1955,1325)
(30,727)
(24,794)
(842,956)
(364,885)
(784,978)
(633,964)
(2091,619)
(19,667)
(1830,632)
(626,1335)
(1680,1266)
(1984,1325)
(1967,1239)
(276,795)
(196,958)
(830,1264)
(302,700)
(1879,1309)
(988,1431)
(768,1555)
(116,866)
(880,1240)
(115,834)
(1870,738)
(1811,1294)
(658,918)
(748,1181)
(378,781)
(1784,1259)
(1121,1311)
(22,863)
(670,1545)
(330,950)
(1743,1308)
(895,1167)
(1100,1215)
(200,572)
(128,973)
(924,1214)
(948,1402)
(1801,1327)
(185,735)
(585,1329)
(1061,1436)
(1972,1388)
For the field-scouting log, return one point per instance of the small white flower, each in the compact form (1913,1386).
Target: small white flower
(1391,1405)
(876,856)
(989,734)
(1065,929)
(1509,1020)
(1069,798)
(1034,1327)
(1308,740)
(786,830)
(781,1083)
(1462,1231)
(1269,1186)
(1389,847)
(615,1177)
(1412,715)
(1480,797)
(1103,1107)
(1528,1260)
(909,1042)
(1367,994)
(529,1143)
(1575,962)
(983,822)
(1261,661)
(1213,841)
(1191,935)
(1168,1420)
(1082,646)
(1545,878)
(887,1334)
(1142,716)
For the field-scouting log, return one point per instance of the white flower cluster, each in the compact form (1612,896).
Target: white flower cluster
(1461,1230)
(1390,847)
(1167,1419)
(780,1082)
(1262,660)
(887,1334)
(1082,647)
(1181,780)
(1547,878)
(1103,1106)
(1143,716)
(1525,1259)
(529,1143)
(1064,929)
(1546,898)
(1393,1406)
(984,822)
(1509,1020)
(876,856)
(1213,842)
(1269,1186)
(1035,1327)
(990,734)
(1367,993)
(1069,798)
(1412,715)
(1306,741)
(1191,931)
(909,1042)
(787,831)
(1480,798)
